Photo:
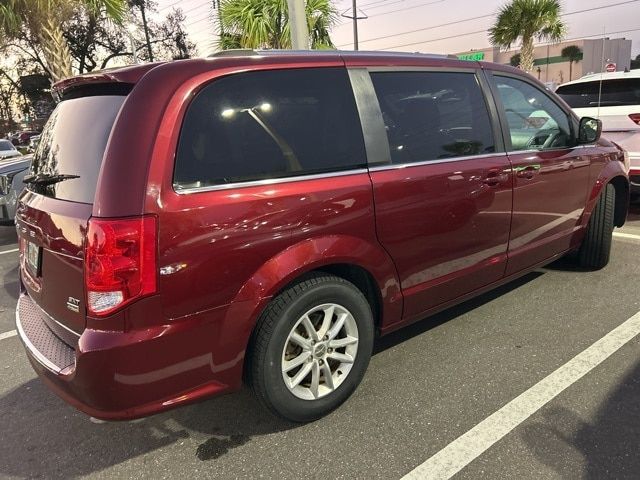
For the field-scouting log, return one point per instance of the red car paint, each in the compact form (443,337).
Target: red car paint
(429,236)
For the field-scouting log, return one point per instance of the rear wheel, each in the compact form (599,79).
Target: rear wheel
(596,246)
(311,348)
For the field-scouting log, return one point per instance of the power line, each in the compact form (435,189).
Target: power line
(483,31)
(431,2)
(433,27)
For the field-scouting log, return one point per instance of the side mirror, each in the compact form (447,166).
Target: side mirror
(590,130)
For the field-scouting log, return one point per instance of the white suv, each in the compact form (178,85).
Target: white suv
(618,108)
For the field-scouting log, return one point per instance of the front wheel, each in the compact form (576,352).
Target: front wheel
(596,246)
(311,348)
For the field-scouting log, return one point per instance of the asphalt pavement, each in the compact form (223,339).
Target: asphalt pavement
(426,386)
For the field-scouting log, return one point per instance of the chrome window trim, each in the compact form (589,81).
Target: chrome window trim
(472,68)
(373,128)
(441,160)
(267,181)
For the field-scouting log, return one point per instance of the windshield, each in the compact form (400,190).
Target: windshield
(73,143)
(5,145)
(622,92)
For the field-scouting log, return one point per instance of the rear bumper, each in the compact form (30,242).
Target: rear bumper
(125,375)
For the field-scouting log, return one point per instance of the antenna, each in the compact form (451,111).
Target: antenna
(604,33)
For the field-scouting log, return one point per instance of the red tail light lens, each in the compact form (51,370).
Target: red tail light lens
(635,117)
(120,262)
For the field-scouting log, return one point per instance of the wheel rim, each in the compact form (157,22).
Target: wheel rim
(319,352)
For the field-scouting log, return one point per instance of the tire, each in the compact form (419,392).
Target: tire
(595,249)
(273,344)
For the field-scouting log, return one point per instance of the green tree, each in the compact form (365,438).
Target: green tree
(526,20)
(515,60)
(44,19)
(265,23)
(635,63)
(574,55)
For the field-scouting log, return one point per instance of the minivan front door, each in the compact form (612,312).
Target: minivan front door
(443,200)
(551,175)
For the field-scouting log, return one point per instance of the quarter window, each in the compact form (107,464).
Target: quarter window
(270,124)
(535,121)
(433,115)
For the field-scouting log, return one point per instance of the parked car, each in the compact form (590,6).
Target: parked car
(615,99)
(12,173)
(33,143)
(267,214)
(22,138)
(7,150)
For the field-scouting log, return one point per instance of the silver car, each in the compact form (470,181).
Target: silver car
(12,173)
(8,150)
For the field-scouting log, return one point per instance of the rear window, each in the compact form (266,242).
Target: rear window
(73,143)
(5,145)
(269,124)
(622,92)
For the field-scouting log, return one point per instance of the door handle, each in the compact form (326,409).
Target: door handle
(495,178)
(527,171)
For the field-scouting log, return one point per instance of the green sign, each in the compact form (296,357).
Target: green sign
(472,57)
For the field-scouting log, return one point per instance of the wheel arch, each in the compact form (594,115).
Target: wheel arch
(621,185)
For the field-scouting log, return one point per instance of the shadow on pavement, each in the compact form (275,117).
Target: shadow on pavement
(395,338)
(608,447)
(8,235)
(11,284)
(45,438)
(42,436)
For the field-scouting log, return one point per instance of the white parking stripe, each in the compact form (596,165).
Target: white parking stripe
(9,251)
(626,235)
(10,334)
(462,451)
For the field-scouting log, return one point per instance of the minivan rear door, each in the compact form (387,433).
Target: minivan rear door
(53,211)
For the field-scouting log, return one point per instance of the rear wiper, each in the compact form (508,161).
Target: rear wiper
(44,179)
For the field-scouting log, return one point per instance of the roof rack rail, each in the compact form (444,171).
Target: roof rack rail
(233,52)
(245,52)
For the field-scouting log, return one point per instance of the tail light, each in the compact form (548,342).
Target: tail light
(635,118)
(120,262)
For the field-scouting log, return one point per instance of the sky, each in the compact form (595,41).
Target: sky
(421,25)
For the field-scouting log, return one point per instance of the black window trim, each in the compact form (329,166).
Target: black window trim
(267,181)
(375,129)
(571,116)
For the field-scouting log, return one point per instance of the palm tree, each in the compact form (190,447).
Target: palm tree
(573,54)
(528,20)
(265,23)
(44,20)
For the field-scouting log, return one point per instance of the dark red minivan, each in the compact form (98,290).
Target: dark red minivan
(263,215)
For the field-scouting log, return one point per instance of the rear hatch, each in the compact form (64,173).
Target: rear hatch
(615,101)
(53,212)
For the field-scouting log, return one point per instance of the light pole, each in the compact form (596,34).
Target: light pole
(298,25)
(130,29)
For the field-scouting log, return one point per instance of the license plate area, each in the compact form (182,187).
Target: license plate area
(34,258)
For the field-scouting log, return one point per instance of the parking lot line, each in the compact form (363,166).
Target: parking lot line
(9,251)
(626,235)
(462,451)
(10,334)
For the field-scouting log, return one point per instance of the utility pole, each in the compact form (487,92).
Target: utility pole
(298,25)
(354,14)
(354,17)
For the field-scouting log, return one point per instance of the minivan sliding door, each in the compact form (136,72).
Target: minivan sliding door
(443,193)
